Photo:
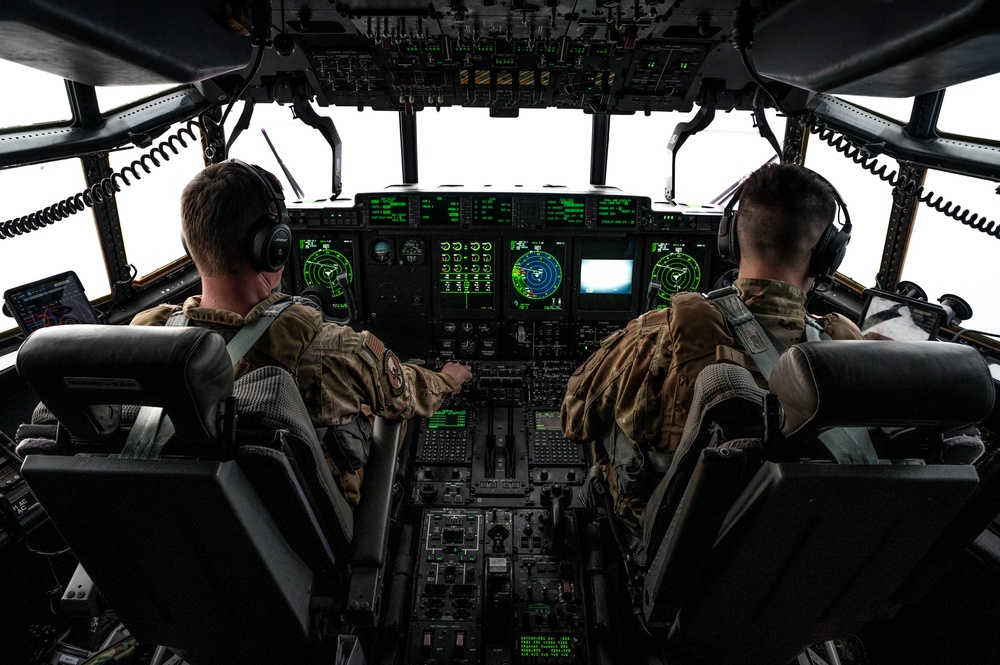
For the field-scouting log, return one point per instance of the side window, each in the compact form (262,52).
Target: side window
(945,256)
(868,199)
(69,244)
(48,94)
(149,209)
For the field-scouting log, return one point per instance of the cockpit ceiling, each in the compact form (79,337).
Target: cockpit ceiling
(601,56)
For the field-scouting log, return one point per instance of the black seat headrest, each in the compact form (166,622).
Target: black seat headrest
(82,374)
(869,384)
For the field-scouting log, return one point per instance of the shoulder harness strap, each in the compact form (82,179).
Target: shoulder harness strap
(152,428)
(847,445)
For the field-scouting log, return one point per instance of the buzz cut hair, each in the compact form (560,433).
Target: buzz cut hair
(783,211)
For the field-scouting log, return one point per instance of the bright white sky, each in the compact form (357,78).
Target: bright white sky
(466,146)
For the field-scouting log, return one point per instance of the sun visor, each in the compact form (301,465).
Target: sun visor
(874,47)
(123,42)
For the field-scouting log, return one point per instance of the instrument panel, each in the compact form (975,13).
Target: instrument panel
(501,275)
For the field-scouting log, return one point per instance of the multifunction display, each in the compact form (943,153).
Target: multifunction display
(490,210)
(678,265)
(466,271)
(565,211)
(536,275)
(607,270)
(322,259)
(389,211)
(617,211)
(441,209)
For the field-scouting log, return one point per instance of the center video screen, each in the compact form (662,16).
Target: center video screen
(320,260)
(466,275)
(607,270)
(537,275)
(678,265)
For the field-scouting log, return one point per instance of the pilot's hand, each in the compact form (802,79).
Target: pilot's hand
(458,371)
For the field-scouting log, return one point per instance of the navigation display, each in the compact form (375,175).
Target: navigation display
(320,260)
(490,210)
(617,211)
(607,270)
(389,211)
(441,209)
(53,301)
(678,265)
(536,276)
(465,271)
(565,211)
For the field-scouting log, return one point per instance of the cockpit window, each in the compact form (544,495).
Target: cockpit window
(69,244)
(149,209)
(47,92)
(966,110)
(945,256)
(707,164)
(370,148)
(891,107)
(113,97)
(869,201)
(467,147)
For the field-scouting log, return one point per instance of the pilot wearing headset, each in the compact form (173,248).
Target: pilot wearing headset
(235,227)
(631,398)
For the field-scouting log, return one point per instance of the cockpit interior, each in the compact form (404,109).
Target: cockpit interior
(504,185)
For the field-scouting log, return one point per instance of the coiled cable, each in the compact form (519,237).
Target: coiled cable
(106,188)
(859,154)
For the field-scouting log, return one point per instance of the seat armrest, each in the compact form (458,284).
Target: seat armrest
(371,518)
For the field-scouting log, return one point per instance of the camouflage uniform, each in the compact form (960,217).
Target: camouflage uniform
(341,374)
(642,377)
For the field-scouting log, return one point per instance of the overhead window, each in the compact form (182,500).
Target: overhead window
(110,98)
(31,97)
(896,108)
(968,110)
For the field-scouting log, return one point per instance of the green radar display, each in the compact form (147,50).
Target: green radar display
(321,260)
(677,268)
(537,274)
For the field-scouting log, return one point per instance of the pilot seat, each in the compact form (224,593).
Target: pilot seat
(758,545)
(217,530)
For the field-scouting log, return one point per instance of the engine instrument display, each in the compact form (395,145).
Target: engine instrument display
(466,271)
(537,275)
(678,266)
(607,270)
(322,259)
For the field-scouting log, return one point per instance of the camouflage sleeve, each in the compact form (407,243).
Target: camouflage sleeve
(621,382)
(588,409)
(357,369)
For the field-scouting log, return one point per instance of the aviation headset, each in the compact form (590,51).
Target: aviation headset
(827,254)
(270,236)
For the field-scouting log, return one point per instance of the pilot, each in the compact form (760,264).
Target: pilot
(232,220)
(631,398)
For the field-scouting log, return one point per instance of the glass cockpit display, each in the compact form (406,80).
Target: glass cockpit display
(537,279)
(320,260)
(466,274)
(678,265)
(607,270)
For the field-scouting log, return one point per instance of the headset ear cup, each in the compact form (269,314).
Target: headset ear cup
(270,244)
(829,252)
(728,242)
